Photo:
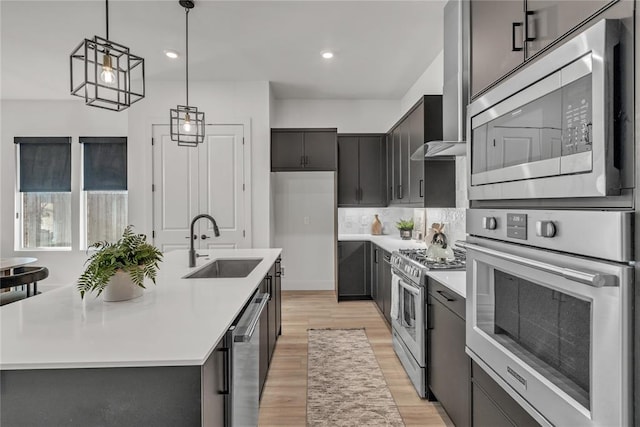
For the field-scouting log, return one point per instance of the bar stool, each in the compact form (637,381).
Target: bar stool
(22,276)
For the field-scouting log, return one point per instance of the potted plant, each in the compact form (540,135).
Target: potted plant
(406,228)
(119,268)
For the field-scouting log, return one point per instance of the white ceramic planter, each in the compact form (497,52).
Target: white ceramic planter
(121,288)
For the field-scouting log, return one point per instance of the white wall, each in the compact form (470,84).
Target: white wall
(305,228)
(52,118)
(222,102)
(349,116)
(429,83)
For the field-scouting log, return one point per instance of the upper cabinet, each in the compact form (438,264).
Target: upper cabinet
(504,34)
(303,149)
(362,170)
(410,183)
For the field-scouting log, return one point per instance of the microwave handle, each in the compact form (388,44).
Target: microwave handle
(592,279)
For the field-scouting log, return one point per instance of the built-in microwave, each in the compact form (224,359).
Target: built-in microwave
(550,130)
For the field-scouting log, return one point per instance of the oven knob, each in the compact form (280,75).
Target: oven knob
(489,223)
(545,229)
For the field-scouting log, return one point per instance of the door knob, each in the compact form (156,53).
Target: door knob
(205,237)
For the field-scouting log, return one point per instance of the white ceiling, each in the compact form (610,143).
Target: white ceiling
(381,47)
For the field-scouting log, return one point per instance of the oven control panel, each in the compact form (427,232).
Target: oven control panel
(517,226)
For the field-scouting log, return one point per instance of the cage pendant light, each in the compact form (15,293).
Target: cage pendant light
(187,123)
(106,74)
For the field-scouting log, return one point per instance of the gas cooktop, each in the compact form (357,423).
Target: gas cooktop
(420,256)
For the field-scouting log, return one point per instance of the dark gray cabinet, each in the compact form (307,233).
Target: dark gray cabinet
(492,406)
(420,182)
(381,281)
(504,34)
(361,170)
(133,396)
(354,266)
(449,368)
(303,149)
(270,320)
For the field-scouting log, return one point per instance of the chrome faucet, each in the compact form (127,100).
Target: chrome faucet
(192,252)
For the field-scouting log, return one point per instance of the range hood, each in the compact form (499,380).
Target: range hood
(455,94)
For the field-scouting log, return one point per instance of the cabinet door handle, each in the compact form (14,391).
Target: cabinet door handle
(528,25)
(446,296)
(306,160)
(400,195)
(514,25)
(270,287)
(421,188)
(390,193)
(375,256)
(226,366)
(301,160)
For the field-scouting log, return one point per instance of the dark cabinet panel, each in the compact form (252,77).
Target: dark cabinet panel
(497,40)
(440,183)
(271,309)
(372,170)
(303,149)
(390,148)
(449,366)
(549,20)
(213,383)
(348,183)
(492,406)
(353,270)
(396,166)
(385,287)
(263,366)
(416,123)
(287,150)
(278,294)
(320,150)
(403,189)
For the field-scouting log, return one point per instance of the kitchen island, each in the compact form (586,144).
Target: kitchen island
(68,361)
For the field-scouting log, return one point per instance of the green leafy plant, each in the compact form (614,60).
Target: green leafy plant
(405,224)
(131,254)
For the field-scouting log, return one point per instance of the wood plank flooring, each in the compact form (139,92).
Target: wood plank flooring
(285,393)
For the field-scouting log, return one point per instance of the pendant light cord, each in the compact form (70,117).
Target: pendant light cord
(187,54)
(107,13)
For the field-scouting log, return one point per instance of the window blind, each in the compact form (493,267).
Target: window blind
(105,163)
(45,164)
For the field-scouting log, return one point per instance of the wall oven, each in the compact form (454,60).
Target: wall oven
(550,318)
(553,129)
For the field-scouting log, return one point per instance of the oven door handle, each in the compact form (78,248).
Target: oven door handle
(596,280)
(411,288)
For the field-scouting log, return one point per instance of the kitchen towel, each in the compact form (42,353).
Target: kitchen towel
(395,288)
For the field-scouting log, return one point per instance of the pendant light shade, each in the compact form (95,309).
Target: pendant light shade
(186,122)
(106,74)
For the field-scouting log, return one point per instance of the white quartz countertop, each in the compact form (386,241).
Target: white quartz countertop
(454,280)
(176,322)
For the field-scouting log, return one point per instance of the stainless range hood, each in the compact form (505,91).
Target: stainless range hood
(455,94)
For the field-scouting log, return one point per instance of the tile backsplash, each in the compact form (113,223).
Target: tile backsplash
(358,220)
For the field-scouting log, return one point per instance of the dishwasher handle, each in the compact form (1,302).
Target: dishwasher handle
(247,325)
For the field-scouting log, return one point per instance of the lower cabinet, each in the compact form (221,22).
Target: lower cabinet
(492,406)
(354,272)
(449,370)
(381,280)
(270,321)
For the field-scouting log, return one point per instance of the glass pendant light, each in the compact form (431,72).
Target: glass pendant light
(106,74)
(186,122)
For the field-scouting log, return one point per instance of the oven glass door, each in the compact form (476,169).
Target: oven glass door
(554,327)
(410,321)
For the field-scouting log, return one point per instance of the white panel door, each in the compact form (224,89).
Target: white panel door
(211,179)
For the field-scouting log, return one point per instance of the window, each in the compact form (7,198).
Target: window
(104,188)
(44,169)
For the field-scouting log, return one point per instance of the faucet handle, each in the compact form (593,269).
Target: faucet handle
(205,237)
(195,237)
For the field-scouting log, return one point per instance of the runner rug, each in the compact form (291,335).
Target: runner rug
(345,386)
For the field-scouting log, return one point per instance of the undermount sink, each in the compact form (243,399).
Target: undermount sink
(225,268)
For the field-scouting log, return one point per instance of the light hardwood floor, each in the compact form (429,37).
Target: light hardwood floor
(284,398)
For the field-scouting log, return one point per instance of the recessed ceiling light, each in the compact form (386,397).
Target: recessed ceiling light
(171,54)
(327,55)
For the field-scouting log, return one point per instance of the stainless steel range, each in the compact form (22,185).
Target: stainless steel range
(408,309)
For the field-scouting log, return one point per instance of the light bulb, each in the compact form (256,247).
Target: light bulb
(107,75)
(186,126)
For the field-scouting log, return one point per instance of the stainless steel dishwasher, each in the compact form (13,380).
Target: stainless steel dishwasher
(244,398)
